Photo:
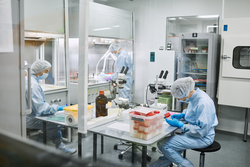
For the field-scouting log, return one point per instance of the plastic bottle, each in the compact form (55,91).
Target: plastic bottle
(101,102)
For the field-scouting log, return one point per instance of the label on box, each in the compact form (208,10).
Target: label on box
(137,119)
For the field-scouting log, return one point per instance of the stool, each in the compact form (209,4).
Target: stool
(212,148)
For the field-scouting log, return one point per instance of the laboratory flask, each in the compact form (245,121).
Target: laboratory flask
(101,104)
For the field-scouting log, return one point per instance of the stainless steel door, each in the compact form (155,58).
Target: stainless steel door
(12,89)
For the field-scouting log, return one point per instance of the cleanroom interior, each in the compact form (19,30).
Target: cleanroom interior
(77,47)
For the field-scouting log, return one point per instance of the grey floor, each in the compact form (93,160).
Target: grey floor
(234,152)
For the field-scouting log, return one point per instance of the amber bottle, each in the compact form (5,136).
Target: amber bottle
(101,103)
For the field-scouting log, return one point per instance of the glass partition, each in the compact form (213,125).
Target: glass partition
(49,47)
(97,49)
(106,21)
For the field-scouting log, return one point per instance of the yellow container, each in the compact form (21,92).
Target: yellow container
(73,110)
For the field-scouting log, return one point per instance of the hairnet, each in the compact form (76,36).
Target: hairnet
(39,65)
(114,46)
(182,87)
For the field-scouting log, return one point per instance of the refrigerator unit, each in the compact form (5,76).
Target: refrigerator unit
(199,58)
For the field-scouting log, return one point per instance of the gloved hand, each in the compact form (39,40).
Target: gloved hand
(108,78)
(103,75)
(175,122)
(60,108)
(178,116)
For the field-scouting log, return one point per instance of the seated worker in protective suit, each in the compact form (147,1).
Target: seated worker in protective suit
(198,133)
(39,71)
(123,59)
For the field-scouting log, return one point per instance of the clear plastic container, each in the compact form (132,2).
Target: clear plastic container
(145,123)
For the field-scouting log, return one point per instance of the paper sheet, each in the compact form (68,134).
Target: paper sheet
(6,30)
(119,126)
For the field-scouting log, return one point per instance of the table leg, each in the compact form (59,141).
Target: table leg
(79,145)
(44,133)
(94,147)
(133,152)
(144,156)
(184,154)
(69,134)
(246,126)
(102,138)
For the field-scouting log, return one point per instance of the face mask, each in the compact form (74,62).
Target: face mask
(116,54)
(44,76)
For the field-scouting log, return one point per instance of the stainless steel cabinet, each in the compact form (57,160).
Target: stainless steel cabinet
(198,58)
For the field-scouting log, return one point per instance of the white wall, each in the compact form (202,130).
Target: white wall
(150,30)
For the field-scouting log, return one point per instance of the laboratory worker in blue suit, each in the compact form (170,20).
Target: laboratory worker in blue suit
(198,133)
(123,59)
(39,71)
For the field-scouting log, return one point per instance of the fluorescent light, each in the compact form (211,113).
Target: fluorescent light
(116,26)
(172,18)
(208,16)
(99,29)
(181,18)
(42,35)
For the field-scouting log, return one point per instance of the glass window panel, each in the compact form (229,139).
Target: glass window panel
(97,47)
(194,61)
(241,57)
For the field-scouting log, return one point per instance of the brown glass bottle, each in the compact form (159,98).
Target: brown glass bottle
(101,103)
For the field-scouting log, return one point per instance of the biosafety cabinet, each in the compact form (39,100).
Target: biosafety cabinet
(198,58)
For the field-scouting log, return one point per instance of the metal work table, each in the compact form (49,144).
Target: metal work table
(91,124)
(123,134)
(45,119)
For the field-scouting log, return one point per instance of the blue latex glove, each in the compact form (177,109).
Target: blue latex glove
(103,75)
(108,78)
(175,122)
(178,116)
(60,108)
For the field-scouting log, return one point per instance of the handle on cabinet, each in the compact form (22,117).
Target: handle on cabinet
(29,110)
(225,57)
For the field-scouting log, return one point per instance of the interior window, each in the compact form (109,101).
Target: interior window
(241,57)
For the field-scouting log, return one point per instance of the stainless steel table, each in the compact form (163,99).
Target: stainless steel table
(123,134)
